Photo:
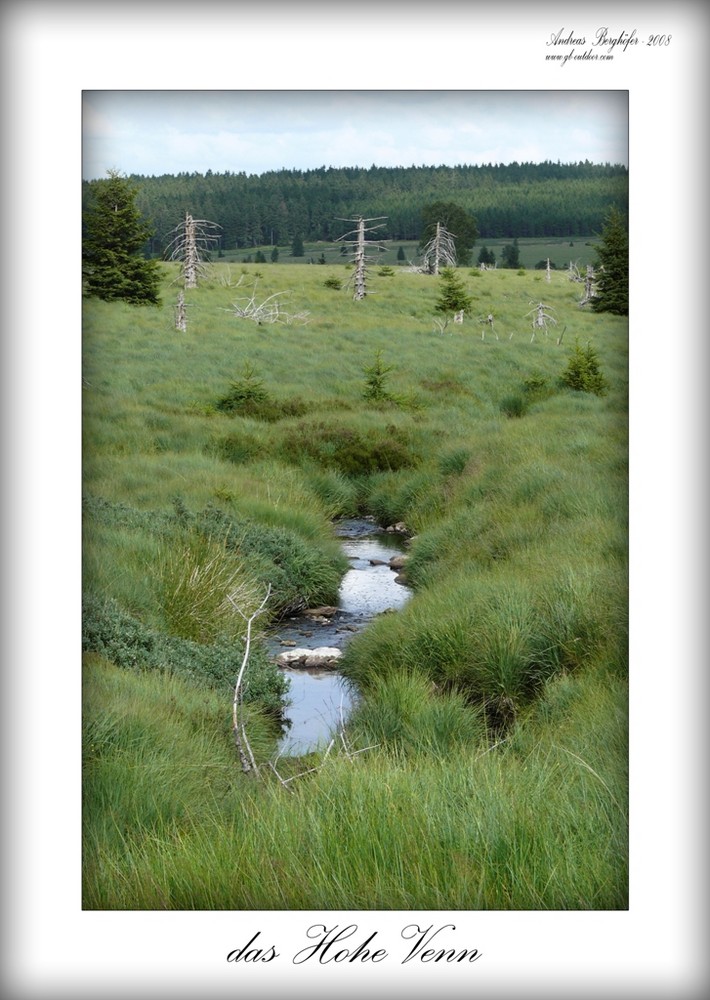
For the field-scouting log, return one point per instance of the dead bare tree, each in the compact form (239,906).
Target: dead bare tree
(589,286)
(193,240)
(548,273)
(439,252)
(359,255)
(542,315)
(487,321)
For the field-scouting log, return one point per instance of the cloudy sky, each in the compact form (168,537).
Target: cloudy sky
(167,132)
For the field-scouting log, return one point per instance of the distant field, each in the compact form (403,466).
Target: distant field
(560,249)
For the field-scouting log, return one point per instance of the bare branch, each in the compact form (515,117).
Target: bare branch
(240,737)
(246,755)
(267,311)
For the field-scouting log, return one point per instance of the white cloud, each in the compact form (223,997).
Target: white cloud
(256,131)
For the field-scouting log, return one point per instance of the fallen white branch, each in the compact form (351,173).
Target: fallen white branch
(240,737)
(266,311)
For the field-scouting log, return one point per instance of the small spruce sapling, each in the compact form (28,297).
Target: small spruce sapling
(583,372)
(376,378)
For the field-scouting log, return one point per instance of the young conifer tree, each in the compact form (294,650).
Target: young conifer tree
(453,297)
(114,237)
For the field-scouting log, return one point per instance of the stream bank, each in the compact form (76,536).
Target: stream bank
(370,587)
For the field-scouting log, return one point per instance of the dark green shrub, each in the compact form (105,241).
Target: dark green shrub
(239,447)
(332,282)
(536,386)
(452,296)
(248,397)
(352,452)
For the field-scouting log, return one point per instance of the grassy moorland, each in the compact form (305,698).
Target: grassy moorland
(215,462)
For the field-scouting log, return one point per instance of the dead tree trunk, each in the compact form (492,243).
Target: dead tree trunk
(360,290)
(588,285)
(542,315)
(439,252)
(359,252)
(180,314)
(191,245)
(191,259)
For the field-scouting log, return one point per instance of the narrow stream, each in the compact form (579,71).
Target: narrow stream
(318,696)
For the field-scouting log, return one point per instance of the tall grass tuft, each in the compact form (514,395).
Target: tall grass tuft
(205,591)
(405,712)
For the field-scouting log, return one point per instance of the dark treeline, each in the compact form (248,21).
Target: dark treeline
(513,200)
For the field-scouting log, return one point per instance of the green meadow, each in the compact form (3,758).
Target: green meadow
(492,717)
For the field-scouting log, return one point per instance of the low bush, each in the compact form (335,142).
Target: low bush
(376,378)
(239,447)
(301,574)
(349,450)
(514,405)
(125,641)
(248,389)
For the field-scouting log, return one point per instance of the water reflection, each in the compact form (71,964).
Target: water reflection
(318,697)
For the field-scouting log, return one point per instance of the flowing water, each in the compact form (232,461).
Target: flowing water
(317,697)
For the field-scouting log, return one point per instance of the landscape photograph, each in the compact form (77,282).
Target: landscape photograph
(355,500)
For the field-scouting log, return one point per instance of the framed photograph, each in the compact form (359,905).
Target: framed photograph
(353,436)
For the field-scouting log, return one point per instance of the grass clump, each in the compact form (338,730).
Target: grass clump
(404,712)
(203,589)
(300,574)
(493,641)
